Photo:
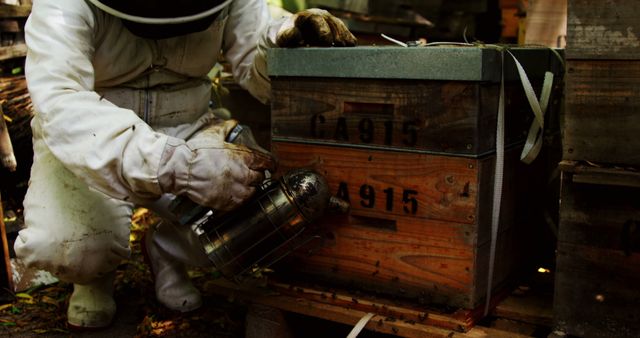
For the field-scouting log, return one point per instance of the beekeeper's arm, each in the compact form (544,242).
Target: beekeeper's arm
(108,147)
(250,32)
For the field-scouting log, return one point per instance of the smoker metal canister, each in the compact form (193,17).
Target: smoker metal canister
(266,228)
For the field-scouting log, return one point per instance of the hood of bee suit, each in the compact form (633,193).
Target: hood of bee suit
(161,19)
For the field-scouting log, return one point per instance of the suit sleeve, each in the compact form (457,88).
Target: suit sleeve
(249,32)
(108,147)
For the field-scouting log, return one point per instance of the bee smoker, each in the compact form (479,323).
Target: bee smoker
(272,224)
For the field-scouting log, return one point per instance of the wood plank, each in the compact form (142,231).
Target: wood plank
(424,186)
(598,260)
(594,174)
(422,273)
(531,305)
(446,188)
(428,272)
(602,119)
(433,116)
(603,29)
(439,254)
(391,318)
(15,51)
(535,311)
(390,249)
(307,305)
(11,11)
(398,309)
(600,216)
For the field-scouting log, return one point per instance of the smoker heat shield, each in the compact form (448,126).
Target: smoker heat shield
(268,227)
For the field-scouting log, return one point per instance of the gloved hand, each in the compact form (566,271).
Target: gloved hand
(314,27)
(210,171)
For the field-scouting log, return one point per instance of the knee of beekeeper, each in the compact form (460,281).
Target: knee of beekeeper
(78,259)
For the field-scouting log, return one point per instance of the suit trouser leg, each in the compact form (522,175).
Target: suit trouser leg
(72,231)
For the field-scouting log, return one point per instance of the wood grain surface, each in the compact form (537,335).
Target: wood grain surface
(598,260)
(602,119)
(603,29)
(436,116)
(437,254)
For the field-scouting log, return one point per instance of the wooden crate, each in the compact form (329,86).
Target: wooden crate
(407,135)
(436,100)
(420,115)
(602,119)
(598,257)
(419,226)
(603,30)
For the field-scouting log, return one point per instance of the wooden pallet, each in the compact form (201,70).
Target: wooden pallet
(391,316)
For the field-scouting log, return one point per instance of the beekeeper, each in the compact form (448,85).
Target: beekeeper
(123,118)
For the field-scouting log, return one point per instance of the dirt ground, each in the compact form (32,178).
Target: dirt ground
(41,311)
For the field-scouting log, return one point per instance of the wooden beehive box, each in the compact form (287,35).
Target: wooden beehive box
(602,120)
(598,257)
(598,260)
(438,100)
(407,136)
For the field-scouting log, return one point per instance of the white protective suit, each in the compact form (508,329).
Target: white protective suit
(107,103)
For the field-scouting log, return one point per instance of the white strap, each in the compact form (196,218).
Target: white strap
(529,152)
(536,131)
(497,187)
(397,42)
(360,325)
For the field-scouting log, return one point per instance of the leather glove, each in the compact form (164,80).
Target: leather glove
(314,27)
(210,171)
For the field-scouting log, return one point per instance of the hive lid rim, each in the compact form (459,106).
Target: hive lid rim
(391,62)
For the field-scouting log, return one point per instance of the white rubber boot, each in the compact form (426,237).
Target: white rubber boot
(172,283)
(91,305)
